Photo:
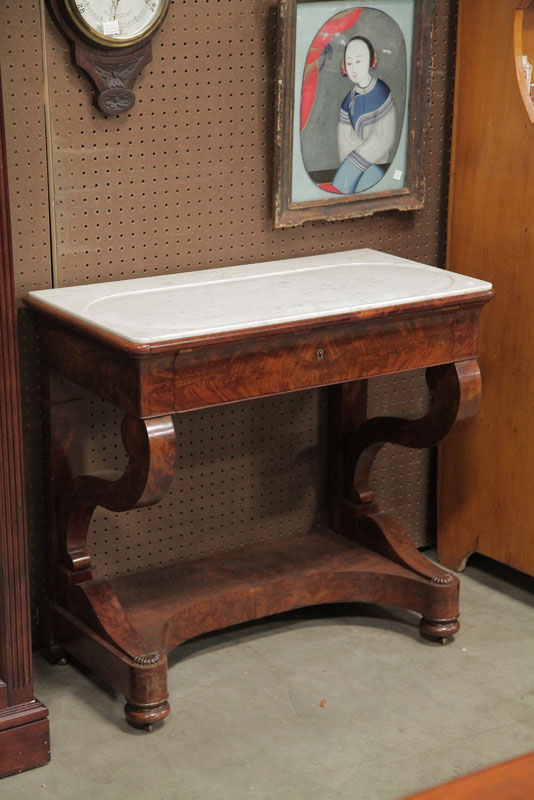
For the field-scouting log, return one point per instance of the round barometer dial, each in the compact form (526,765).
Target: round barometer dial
(116,22)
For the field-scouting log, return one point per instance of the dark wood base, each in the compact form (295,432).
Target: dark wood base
(170,605)
(144,686)
(24,738)
(167,606)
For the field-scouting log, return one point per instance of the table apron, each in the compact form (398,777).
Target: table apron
(197,377)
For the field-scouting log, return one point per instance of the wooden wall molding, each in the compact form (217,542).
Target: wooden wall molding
(24,737)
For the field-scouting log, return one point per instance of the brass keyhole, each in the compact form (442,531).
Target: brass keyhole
(320,354)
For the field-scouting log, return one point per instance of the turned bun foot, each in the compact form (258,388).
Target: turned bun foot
(145,716)
(55,654)
(439,629)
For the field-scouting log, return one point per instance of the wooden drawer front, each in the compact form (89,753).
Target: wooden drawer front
(151,384)
(231,372)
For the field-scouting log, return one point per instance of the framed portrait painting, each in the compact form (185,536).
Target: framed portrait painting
(353,80)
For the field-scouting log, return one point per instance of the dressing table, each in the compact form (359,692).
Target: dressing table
(171,344)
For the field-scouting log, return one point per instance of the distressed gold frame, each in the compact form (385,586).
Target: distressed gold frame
(288,213)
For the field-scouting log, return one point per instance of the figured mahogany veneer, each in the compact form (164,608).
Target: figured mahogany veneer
(124,628)
(150,380)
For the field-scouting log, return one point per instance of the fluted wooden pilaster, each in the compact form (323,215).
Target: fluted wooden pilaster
(23,720)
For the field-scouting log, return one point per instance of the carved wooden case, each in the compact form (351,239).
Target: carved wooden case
(112,70)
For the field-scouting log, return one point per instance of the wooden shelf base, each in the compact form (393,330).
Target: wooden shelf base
(170,605)
(155,611)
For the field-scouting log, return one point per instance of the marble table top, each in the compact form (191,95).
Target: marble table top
(204,302)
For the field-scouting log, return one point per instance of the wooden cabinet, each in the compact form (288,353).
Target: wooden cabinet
(24,739)
(486,502)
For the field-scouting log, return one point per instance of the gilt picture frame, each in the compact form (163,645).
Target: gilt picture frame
(353,83)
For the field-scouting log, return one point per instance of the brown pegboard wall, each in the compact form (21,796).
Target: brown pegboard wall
(184,181)
(247,472)
(22,81)
(401,476)
(23,94)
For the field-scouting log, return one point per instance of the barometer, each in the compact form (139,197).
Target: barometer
(111,41)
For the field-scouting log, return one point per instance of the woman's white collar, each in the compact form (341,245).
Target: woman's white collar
(359,90)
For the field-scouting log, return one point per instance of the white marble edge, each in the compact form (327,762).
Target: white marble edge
(139,310)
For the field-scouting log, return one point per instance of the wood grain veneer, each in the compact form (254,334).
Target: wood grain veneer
(486,503)
(512,780)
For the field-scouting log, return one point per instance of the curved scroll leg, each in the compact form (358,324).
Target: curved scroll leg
(455,397)
(98,606)
(102,624)
(455,392)
(384,534)
(151,447)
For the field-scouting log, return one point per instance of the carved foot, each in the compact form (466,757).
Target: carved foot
(439,629)
(54,653)
(144,716)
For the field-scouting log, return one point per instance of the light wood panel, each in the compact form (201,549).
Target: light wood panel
(486,502)
(513,780)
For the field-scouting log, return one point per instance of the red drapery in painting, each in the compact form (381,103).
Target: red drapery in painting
(341,22)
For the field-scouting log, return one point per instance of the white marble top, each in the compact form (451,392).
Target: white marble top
(191,304)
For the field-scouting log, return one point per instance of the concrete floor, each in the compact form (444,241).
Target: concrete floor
(345,703)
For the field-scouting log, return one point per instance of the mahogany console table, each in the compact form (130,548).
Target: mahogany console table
(169,344)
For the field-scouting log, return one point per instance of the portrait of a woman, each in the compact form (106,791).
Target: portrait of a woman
(367,121)
(352,106)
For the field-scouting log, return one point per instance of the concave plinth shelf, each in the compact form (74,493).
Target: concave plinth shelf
(160,346)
